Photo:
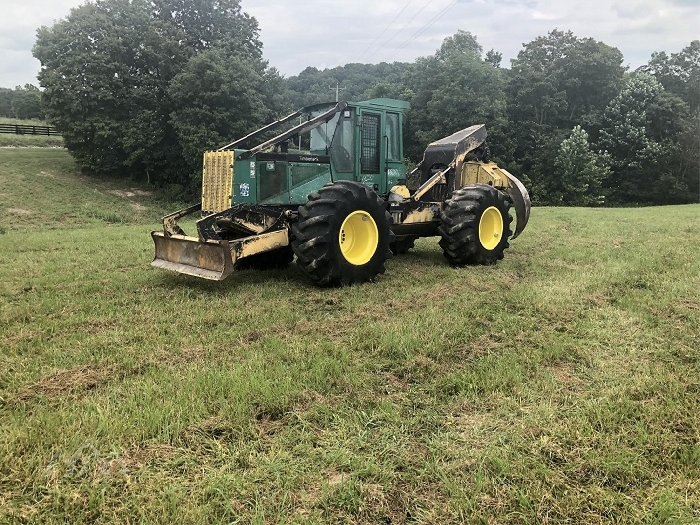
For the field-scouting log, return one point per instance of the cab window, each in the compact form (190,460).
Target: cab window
(392,134)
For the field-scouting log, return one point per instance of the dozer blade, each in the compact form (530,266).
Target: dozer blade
(521,202)
(207,259)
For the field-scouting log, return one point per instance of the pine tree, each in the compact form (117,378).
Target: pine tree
(580,170)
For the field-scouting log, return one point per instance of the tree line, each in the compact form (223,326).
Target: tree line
(23,102)
(145,86)
(567,116)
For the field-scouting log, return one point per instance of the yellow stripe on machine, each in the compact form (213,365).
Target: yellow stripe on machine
(483,173)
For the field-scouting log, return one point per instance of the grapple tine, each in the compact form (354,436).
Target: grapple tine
(521,202)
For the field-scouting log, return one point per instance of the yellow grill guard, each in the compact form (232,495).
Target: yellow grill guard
(217,181)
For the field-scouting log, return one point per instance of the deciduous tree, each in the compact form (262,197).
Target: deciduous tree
(643,131)
(556,82)
(452,90)
(114,72)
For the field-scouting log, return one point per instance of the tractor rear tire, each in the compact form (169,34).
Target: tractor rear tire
(475,225)
(343,234)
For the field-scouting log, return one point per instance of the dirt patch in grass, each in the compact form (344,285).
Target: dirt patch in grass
(464,419)
(335,478)
(480,347)
(138,457)
(188,355)
(131,192)
(565,375)
(306,401)
(19,211)
(252,337)
(75,381)
(424,299)
(215,427)
(680,313)
(194,354)
(96,327)
(304,327)
(599,299)
(23,335)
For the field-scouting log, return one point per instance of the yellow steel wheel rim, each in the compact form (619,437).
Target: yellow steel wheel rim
(358,238)
(490,228)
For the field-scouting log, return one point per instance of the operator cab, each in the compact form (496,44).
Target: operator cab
(358,141)
(364,142)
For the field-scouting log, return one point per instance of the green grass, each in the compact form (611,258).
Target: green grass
(40,189)
(559,386)
(25,122)
(9,140)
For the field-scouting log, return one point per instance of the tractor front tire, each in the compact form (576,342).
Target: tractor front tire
(342,235)
(475,225)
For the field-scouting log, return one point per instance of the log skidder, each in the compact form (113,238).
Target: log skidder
(331,190)
(342,235)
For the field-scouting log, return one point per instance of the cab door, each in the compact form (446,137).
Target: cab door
(371,155)
(394,166)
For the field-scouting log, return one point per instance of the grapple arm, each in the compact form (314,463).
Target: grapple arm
(461,162)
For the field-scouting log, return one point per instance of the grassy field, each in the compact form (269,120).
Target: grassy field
(41,188)
(559,386)
(9,140)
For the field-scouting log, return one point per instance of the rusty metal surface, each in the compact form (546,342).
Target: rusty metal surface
(448,154)
(462,140)
(213,260)
(257,230)
(438,178)
(209,259)
(241,220)
(256,244)
(474,172)
(415,218)
(455,155)
(170,226)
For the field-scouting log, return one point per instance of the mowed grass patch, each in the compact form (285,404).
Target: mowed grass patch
(11,140)
(559,386)
(41,188)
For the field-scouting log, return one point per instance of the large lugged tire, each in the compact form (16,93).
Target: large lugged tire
(475,225)
(343,234)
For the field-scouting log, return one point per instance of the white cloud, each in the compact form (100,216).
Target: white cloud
(329,33)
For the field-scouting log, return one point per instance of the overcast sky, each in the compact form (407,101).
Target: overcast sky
(330,33)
